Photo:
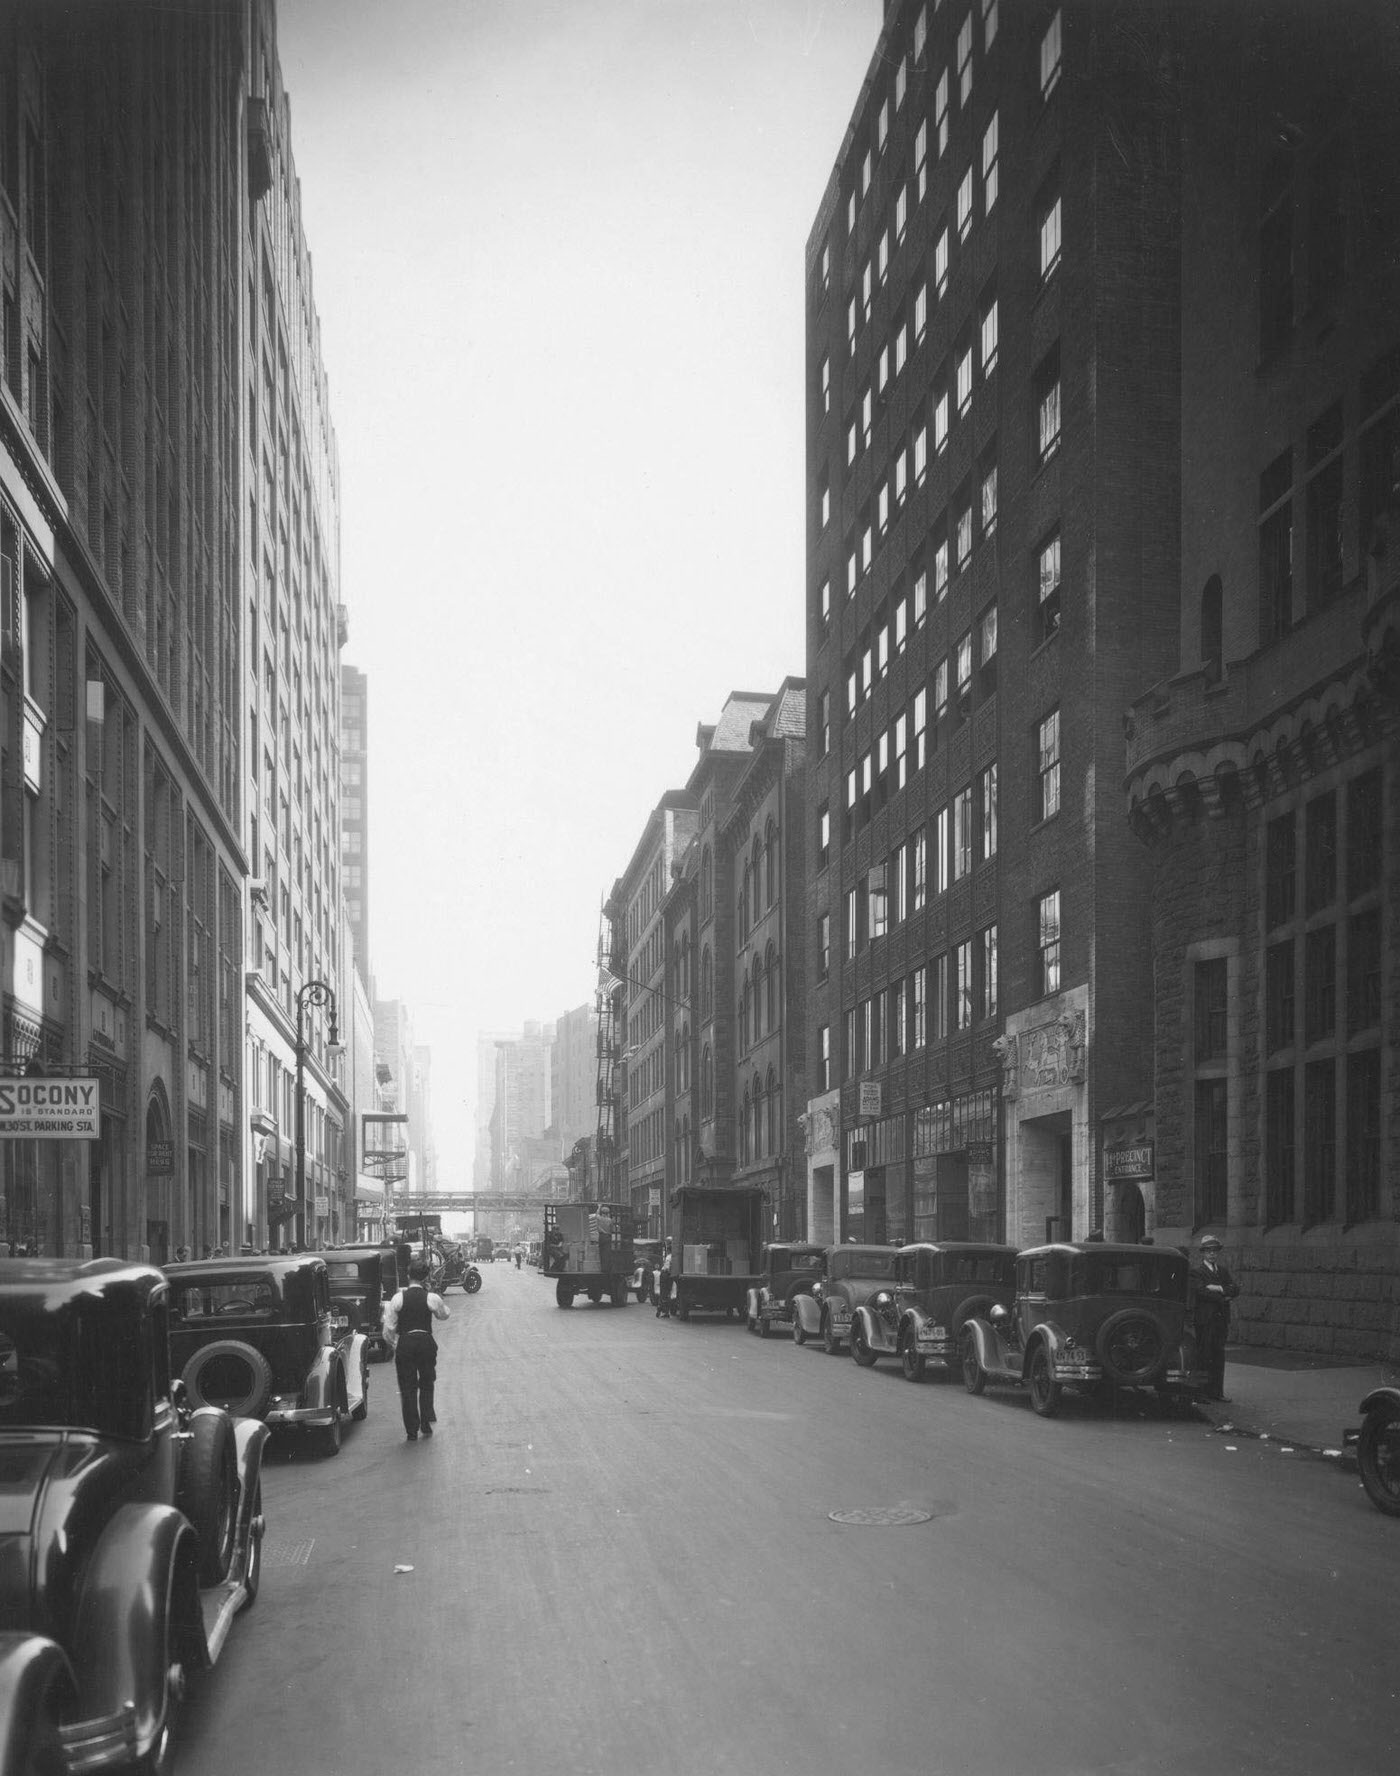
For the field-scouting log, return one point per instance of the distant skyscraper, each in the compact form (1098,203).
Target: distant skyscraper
(354,807)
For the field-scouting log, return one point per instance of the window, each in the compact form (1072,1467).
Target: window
(940,417)
(962,1000)
(965,61)
(901,751)
(965,204)
(941,848)
(940,262)
(1363,834)
(1050,50)
(987,651)
(901,81)
(920,594)
(1048,229)
(1319,1140)
(1210,1025)
(920,727)
(962,834)
(901,212)
(940,694)
(825,501)
(1325,535)
(824,723)
(920,309)
(987,496)
(1047,406)
(1212,1132)
(882,126)
(1363,1181)
(962,526)
(920,449)
(824,601)
(920,35)
(899,885)
(987,972)
(921,160)
(990,174)
(964,376)
(1048,751)
(1280,872)
(1047,608)
(940,568)
(1278,1148)
(870,1020)
(1276,550)
(824,1081)
(918,1009)
(1048,941)
(826,385)
(1320,984)
(852,317)
(1320,853)
(899,1018)
(852,1044)
(1278,997)
(962,671)
(940,114)
(918,870)
(823,836)
(987,814)
(852,925)
(823,945)
(990,330)
(989,23)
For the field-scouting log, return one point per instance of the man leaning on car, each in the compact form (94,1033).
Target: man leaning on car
(408,1325)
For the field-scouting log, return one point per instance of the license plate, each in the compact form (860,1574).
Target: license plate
(341,1320)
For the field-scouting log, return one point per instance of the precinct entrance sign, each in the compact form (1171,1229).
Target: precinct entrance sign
(50,1109)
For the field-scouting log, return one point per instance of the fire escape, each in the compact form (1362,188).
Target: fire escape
(611,1003)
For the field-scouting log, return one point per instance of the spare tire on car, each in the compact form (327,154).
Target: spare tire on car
(1131,1346)
(231,1374)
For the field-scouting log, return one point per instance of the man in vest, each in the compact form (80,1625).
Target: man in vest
(1213,1289)
(408,1325)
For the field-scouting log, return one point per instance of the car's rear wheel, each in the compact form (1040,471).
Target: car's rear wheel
(911,1359)
(860,1346)
(974,1375)
(208,1492)
(231,1373)
(831,1344)
(1131,1347)
(361,1412)
(330,1436)
(1378,1459)
(1045,1390)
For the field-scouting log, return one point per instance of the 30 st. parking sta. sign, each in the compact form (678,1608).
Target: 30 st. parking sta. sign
(50,1109)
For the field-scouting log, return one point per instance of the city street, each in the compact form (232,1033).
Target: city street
(624,1559)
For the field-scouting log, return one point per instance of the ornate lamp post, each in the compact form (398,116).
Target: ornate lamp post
(312,992)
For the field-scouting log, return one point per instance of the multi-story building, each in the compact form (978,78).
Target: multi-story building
(992,577)
(635,906)
(763,841)
(128,207)
(573,1077)
(520,1112)
(354,808)
(294,628)
(1264,771)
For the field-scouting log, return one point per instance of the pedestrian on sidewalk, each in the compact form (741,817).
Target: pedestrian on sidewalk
(1214,1290)
(408,1326)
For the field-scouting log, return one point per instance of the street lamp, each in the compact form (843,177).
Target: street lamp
(312,992)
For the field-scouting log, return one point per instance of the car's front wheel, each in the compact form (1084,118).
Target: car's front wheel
(831,1344)
(860,1346)
(911,1359)
(330,1437)
(799,1331)
(1378,1459)
(361,1412)
(1045,1390)
(252,1577)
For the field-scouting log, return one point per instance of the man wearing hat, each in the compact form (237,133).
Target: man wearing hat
(1215,1289)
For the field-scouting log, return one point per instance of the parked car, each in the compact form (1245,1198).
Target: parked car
(936,1288)
(258,1337)
(1088,1316)
(788,1268)
(358,1293)
(853,1274)
(132,1526)
(1377,1444)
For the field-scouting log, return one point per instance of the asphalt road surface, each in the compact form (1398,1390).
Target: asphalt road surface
(624,1559)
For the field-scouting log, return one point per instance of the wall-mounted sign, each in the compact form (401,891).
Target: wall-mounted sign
(323,1205)
(871,1098)
(1128,1162)
(160,1156)
(980,1153)
(50,1109)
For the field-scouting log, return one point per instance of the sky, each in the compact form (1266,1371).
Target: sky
(559,261)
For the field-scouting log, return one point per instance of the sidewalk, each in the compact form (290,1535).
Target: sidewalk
(1303,1401)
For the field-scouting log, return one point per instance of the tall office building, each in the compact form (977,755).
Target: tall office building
(573,1077)
(354,808)
(992,577)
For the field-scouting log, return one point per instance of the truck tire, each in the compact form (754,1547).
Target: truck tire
(618,1294)
(208,1492)
(230,1373)
(563,1294)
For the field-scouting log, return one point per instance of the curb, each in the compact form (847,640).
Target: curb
(1343,1458)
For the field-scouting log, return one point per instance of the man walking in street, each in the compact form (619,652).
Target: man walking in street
(408,1326)
(1214,1290)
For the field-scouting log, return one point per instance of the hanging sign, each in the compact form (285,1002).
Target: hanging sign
(50,1109)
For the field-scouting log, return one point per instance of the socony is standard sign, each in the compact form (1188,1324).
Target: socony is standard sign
(50,1109)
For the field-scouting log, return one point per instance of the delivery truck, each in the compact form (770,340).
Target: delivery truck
(717,1233)
(588,1250)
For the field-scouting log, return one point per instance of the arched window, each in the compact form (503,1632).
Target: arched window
(707,885)
(757,986)
(757,1117)
(742,909)
(770,858)
(707,985)
(684,1167)
(772,987)
(707,1083)
(775,1113)
(1212,626)
(745,1110)
(683,1060)
(685,966)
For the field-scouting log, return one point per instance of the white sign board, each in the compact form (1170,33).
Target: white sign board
(323,1205)
(870,1098)
(50,1109)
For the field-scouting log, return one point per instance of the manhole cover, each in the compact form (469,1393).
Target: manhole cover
(879,1516)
